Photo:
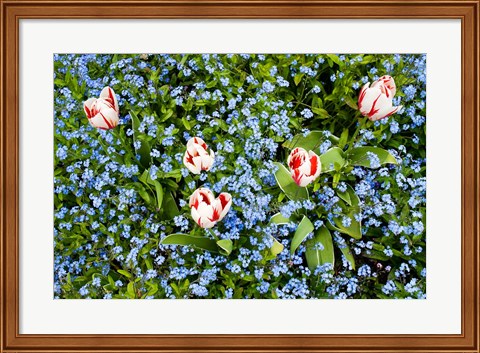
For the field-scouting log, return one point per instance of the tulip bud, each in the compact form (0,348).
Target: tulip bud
(196,157)
(304,166)
(375,101)
(206,209)
(102,112)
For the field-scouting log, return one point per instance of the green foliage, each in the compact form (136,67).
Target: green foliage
(320,249)
(288,185)
(194,241)
(358,156)
(303,230)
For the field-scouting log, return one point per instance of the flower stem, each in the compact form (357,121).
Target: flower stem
(213,234)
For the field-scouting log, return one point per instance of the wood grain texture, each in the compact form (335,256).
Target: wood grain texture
(12,11)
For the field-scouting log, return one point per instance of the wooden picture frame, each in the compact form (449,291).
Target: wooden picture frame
(12,11)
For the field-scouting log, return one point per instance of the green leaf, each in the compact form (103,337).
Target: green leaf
(335,59)
(310,142)
(184,59)
(170,208)
(131,291)
(353,196)
(343,138)
(167,115)
(277,218)
(144,150)
(143,192)
(298,78)
(145,177)
(176,173)
(358,156)
(111,282)
(152,290)
(147,180)
(304,228)
(175,289)
(144,153)
(348,255)
(190,240)
(322,113)
(377,255)
(276,248)
(148,263)
(186,123)
(355,228)
(125,273)
(345,196)
(288,186)
(333,157)
(351,102)
(159,191)
(316,257)
(226,245)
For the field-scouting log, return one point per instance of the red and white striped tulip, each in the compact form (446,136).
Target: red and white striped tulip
(197,157)
(208,210)
(304,166)
(375,101)
(102,112)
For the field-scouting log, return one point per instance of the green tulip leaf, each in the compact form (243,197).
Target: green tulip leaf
(169,206)
(350,209)
(225,245)
(159,191)
(333,159)
(345,196)
(276,248)
(359,156)
(348,255)
(304,228)
(144,150)
(310,142)
(288,185)
(319,250)
(277,218)
(190,240)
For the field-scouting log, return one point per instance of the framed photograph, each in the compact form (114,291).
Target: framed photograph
(252,176)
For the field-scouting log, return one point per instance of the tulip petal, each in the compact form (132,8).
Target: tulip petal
(206,162)
(99,122)
(297,177)
(370,97)
(205,195)
(189,163)
(297,157)
(224,202)
(109,95)
(385,113)
(196,141)
(87,107)
(315,164)
(206,223)
(306,180)
(192,168)
(195,216)
(361,96)
(389,82)
(305,167)
(205,210)
(111,116)
(196,166)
